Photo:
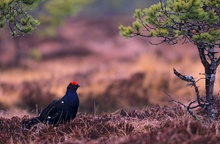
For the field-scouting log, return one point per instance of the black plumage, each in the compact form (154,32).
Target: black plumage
(59,111)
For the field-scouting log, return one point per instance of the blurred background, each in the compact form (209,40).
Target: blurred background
(79,40)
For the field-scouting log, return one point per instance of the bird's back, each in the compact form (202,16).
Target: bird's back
(59,111)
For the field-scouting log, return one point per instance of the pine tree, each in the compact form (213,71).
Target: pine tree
(14,13)
(195,21)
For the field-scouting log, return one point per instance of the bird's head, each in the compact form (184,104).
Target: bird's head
(74,84)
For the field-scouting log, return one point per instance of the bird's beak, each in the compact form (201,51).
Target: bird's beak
(78,85)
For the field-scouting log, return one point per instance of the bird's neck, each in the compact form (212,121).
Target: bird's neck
(70,95)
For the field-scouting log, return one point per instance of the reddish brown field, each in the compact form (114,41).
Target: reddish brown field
(162,125)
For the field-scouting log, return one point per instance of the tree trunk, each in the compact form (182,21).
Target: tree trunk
(18,51)
(209,86)
(210,74)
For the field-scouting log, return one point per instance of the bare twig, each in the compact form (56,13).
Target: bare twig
(188,108)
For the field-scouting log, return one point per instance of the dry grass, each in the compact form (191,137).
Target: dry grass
(150,125)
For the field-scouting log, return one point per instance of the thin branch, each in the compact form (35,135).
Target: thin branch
(192,82)
(199,79)
(188,108)
(173,100)
(163,41)
(184,39)
(191,112)
(202,57)
(192,107)
(139,34)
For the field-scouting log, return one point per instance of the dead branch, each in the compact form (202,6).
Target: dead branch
(188,108)
(192,82)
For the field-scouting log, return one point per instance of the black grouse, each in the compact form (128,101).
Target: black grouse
(59,111)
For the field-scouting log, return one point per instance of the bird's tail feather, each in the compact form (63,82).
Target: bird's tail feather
(31,122)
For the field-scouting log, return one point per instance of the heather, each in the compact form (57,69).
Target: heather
(154,124)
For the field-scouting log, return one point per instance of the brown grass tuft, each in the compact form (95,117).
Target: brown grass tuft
(153,124)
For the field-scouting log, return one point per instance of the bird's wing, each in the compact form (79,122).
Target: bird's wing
(54,111)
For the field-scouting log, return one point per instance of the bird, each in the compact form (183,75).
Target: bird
(59,111)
